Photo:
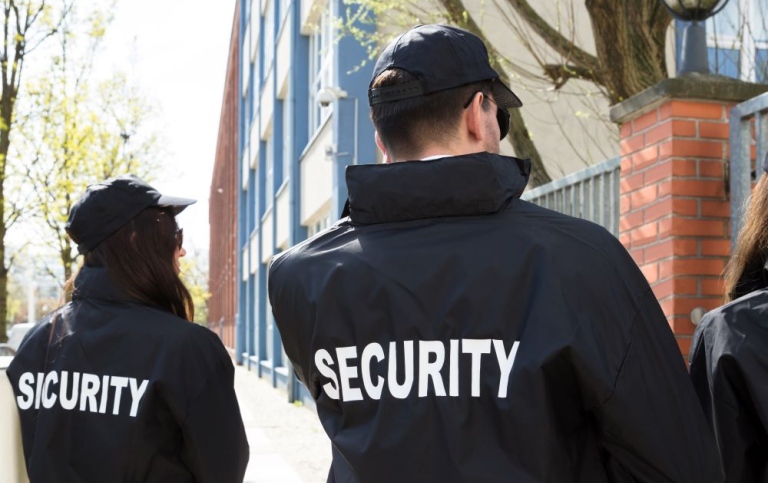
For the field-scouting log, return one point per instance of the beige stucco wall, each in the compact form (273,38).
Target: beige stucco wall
(570,126)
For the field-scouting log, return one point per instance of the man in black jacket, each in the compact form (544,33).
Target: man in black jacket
(451,332)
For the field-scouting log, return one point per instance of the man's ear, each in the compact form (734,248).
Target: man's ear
(477,120)
(381,146)
(473,117)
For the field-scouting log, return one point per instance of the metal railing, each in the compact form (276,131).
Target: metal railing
(741,119)
(591,194)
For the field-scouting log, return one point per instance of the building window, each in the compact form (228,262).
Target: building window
(320,67)
(255,26)
(247,105)
(256,87)
(269,182)
(319,225)
(255,350)
(269,36)
(284,8)
(737,40)
(287,140)
(245,64)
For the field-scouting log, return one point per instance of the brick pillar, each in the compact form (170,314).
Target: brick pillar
(675,213)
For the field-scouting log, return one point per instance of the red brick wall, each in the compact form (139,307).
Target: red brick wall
(674,210)
(222,215)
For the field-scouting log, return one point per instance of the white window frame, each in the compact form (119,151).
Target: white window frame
(269,38)
(257,83)
(744,41)
(321,62)
(318,225)
(269,174)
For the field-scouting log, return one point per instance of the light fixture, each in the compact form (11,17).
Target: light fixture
(694,56)
(328,94)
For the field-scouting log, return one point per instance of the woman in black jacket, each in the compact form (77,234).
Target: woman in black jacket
(729,356)
(118,385)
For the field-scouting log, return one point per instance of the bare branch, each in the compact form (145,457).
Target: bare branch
(66,11)
(18,54)
(12,258)
(567,49)
(560,74)
(32,17)
(519,136)
(6,43)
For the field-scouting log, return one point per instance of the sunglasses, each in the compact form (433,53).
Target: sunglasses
(179,238)
(502,115)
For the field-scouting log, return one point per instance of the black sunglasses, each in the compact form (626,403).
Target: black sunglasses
(179,238)
(502,115)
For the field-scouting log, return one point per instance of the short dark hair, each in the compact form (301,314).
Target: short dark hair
(139,259)
(404,125)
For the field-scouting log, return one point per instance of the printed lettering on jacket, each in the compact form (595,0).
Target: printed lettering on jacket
(353,365)
(74,391)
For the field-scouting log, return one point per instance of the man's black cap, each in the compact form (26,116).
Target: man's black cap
(441,57)
(108,206)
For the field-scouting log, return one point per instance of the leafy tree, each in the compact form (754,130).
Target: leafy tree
(84,130)
(26,25)
(629,39)
(194,274)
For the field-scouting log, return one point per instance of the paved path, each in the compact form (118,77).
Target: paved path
(288,444)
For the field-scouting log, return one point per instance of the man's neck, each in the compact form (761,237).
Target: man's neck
(429,154)
(436,156)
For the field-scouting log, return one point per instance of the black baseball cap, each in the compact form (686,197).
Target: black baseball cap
(440,57)
(108,206)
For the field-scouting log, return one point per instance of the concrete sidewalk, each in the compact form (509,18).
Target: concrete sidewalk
(288,444)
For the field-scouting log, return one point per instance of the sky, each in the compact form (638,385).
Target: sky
(176,51)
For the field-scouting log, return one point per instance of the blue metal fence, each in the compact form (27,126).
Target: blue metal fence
(591,194)
(744,117)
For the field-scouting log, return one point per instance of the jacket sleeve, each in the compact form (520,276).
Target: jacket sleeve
(215,448)
(721,385)
(282,288)
(652,426)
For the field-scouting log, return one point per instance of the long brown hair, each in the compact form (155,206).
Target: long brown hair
(139,259)
(746,265)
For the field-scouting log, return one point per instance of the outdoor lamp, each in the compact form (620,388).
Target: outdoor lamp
(694,49)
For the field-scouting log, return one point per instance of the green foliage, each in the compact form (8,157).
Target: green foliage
(393,15)
(81,129)
(195,277)
(27,25)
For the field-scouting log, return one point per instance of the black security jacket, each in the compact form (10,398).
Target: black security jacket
(729,367)
(112,391)
(450,332)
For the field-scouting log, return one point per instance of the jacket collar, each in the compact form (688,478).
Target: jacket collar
(94,283)
(472,184)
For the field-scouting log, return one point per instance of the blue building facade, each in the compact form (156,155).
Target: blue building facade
(303,117)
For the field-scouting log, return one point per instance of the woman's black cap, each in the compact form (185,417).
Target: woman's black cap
(108,206)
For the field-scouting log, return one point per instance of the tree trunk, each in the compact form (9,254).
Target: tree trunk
(66,258)
(6,111)
(521,141)
(3,285)
(630,39)
(518,136)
